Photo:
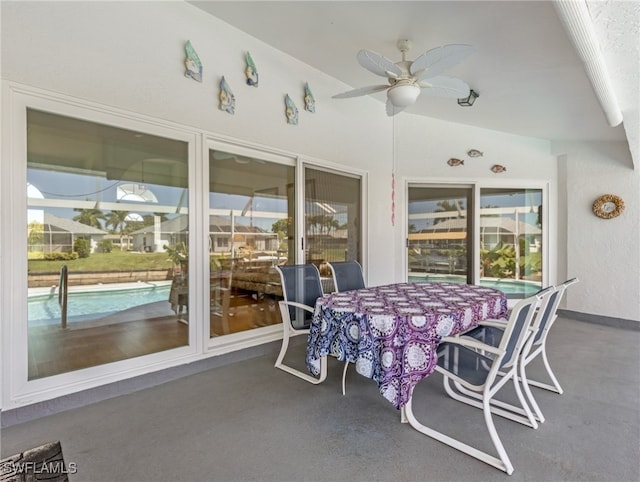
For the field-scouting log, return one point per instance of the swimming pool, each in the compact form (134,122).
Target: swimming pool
(88,303)
(513,288)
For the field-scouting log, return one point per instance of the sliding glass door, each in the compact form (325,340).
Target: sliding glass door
(113,246)
(251,231)
(439,230)
(499,244)
(511,240)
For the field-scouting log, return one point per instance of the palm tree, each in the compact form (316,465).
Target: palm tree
(35,236)
(118,220)
(90,217)
(333,224)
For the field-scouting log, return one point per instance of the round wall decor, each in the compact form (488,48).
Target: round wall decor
(608,206)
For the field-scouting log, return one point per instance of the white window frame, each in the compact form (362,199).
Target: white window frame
(16,388)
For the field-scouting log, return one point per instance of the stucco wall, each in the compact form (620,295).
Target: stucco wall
(604,254)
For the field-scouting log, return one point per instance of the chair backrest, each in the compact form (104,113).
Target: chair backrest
(547,297)
(516,330)
(300,284)
(347,275)
(551,309)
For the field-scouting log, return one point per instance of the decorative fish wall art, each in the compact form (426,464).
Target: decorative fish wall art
(192,63)
(291,111)
(475,153)
(227,99)
(453,162)
(309,101)
(251,71)
(497,168)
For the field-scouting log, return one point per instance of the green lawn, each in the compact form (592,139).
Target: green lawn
(114,261)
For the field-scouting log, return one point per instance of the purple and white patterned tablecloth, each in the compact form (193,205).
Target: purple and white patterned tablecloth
(391,332)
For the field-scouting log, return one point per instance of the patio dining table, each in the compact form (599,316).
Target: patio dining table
(391,332)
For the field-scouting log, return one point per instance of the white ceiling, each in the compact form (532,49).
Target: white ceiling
(530,79)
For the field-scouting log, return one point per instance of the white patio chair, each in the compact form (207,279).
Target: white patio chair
(536,346)
(491,332)
(301,288)
(464,360)
(539,345)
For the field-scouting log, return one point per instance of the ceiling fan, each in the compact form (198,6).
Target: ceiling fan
(408,79)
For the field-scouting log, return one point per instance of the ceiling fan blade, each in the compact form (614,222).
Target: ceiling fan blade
(378,64)
(436,61)
(442,86)
(372,89)
(392,109)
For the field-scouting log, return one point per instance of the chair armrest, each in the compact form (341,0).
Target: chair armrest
(493,323)
(297,305)
(469,342)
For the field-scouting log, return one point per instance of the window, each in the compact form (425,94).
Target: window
(108,207)
(251,217)
(332,220)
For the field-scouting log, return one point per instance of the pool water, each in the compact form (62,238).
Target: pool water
(87,305)
(513,288)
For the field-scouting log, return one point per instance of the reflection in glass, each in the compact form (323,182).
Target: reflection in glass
(251,230)
(111,205)
(332,220)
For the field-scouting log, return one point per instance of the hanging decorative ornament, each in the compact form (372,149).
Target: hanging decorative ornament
(497,168)
(192,63)
(309,101)
(291,111)
(475,153)
(393,198)
(251,71)
(227,99)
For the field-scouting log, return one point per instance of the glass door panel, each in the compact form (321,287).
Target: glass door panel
(439,234)
(106,243)
(511,240)
(251,230)
(332,220)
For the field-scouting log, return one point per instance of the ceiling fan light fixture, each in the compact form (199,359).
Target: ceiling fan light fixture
(468,101)
(403,95)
